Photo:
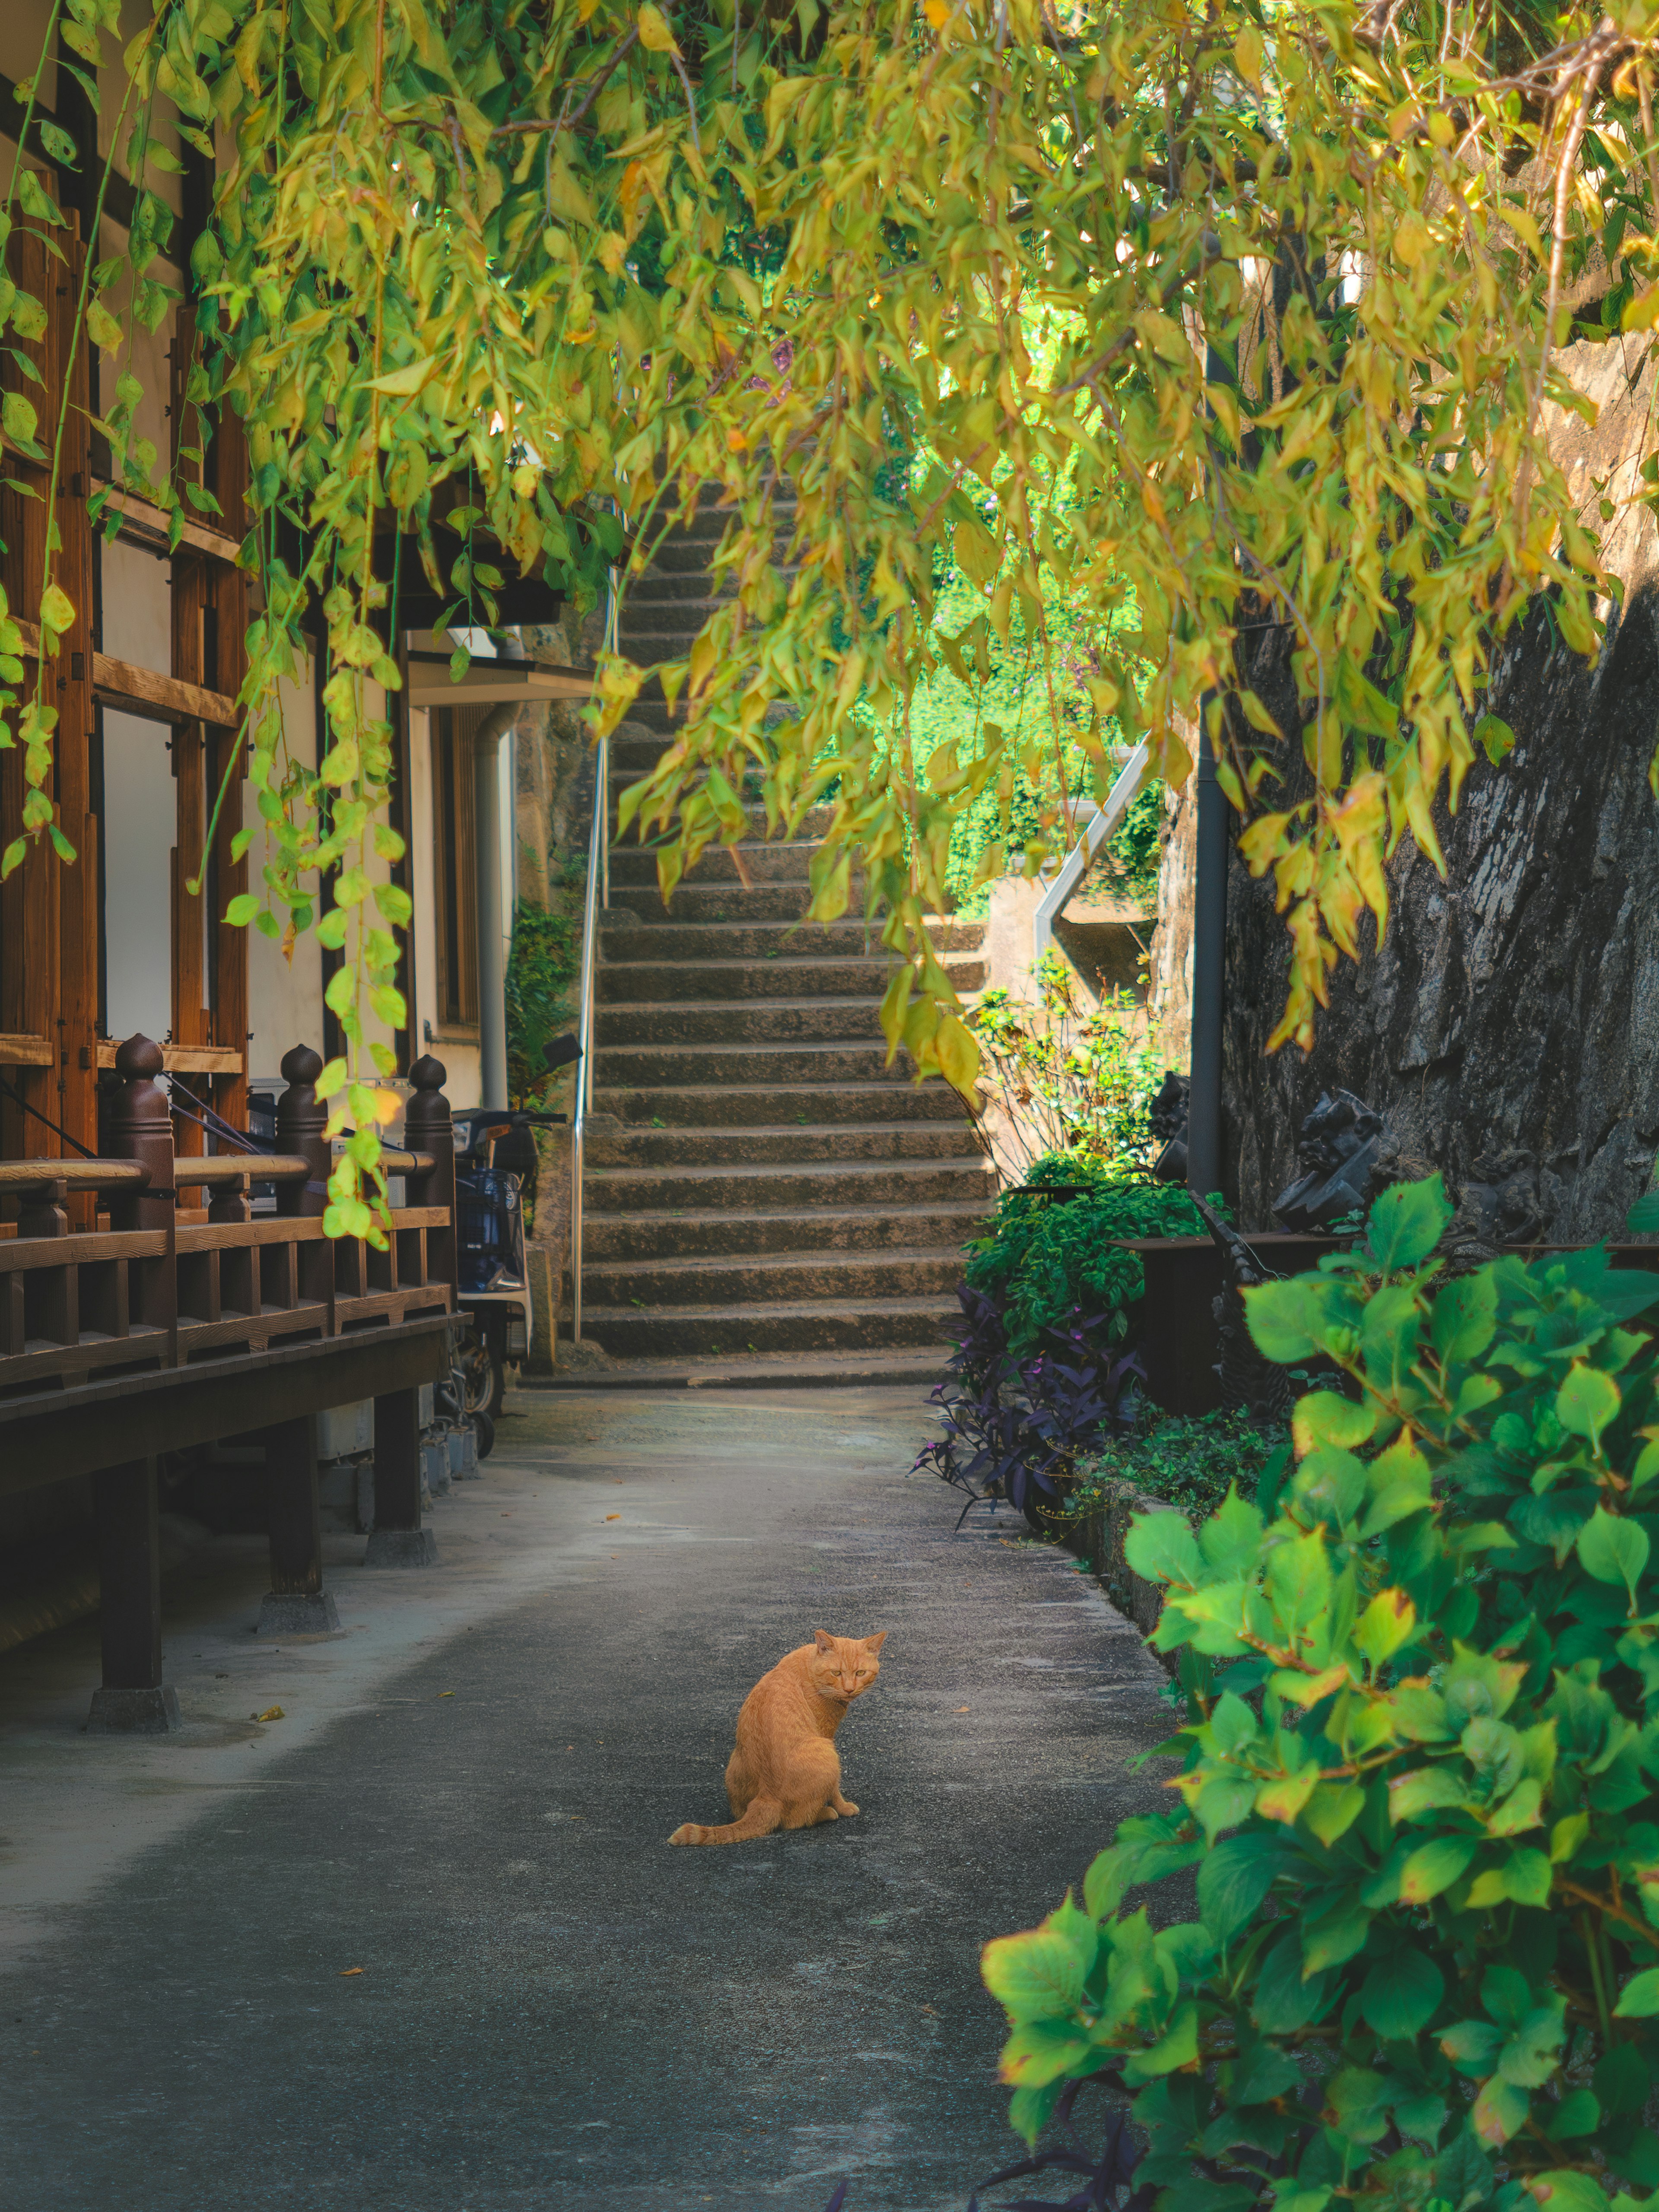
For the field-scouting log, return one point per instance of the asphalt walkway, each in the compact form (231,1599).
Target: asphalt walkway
(421,1943)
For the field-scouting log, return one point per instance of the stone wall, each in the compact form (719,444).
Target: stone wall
(554,763)
(1508,1026)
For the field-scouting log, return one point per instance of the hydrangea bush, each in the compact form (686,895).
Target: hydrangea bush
(1416,1772)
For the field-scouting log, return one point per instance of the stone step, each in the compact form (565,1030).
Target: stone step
(788,976)
(785,1188)
(739,940)
(659,590)
(691,1106)
(669,1284)
(766,1021)
(786,862)
(687,1232)
(612,1143)
(585,1367)
(809,1325)
(778,901)
(659,1066)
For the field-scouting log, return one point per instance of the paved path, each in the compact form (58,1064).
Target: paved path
(469,1799)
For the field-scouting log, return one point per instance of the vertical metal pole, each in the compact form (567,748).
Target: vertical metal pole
(492,968)
(1204,1150)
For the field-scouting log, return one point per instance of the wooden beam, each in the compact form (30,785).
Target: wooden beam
(184,1059)
(29,1052)
(151,526)
(147,694)
(155,698)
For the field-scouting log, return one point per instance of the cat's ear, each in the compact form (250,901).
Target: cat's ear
(822,1639)
(873,1644)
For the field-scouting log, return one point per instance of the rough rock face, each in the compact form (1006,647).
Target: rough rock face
(1508,1029)
(1169,980)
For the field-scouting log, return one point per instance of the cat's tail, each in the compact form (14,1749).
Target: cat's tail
(761,1818)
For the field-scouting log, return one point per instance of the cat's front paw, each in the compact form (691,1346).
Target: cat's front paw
(685,1833)
(845,1808)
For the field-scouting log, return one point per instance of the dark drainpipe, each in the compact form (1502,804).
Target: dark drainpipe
(1209,966)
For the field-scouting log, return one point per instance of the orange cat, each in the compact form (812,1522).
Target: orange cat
(784,1772)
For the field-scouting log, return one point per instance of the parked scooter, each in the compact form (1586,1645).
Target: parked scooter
(495,1159)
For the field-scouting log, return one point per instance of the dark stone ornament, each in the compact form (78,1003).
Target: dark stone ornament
(1336,1152)
(1246,1380)
(1166,1119)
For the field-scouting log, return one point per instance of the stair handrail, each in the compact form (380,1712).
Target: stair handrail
(1099,826)
(598,882)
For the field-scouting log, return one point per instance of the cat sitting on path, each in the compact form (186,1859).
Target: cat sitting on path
(784,1772)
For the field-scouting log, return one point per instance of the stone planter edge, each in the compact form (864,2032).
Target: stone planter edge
(1096,1537)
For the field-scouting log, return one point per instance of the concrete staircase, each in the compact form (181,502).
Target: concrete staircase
(765,1200)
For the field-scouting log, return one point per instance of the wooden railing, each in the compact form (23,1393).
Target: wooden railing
(166,1286)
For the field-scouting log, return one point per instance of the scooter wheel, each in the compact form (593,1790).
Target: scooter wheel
(483,1431)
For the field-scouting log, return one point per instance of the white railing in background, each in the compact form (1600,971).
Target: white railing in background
(595,901)
(1098,828)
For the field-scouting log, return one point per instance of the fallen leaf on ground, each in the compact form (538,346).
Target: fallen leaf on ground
(507,1517)
(446,1694)
(346,1970)
(270,1713)
(613,1516)
(964,1709)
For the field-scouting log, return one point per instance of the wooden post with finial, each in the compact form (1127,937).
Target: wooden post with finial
(397,1539)
(301,1117)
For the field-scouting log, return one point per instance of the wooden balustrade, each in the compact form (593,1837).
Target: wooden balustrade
(154,1291)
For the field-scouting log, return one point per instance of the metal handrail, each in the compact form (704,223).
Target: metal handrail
(597,896)
(1099,826)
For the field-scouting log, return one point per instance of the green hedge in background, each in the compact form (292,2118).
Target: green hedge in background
(1046,1257)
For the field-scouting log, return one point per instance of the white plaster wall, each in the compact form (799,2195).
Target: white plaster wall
(422,878)
(138,829)
(285,995)
(140,808)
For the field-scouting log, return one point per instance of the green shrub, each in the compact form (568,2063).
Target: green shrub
(1046,1258)
(1065,1073)
(540,968)
(1191,1461)
(1422,1684)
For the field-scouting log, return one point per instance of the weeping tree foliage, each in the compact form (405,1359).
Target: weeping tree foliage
(1220,317)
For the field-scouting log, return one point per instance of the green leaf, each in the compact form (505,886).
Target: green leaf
(1577,2114)
(1495,737)
(402,382)
(1282,1319)
(1614,1549)
(1323,1417)
(242,909)
(1406,1223)
(1161,1547)
(1402,1993)
(1568,2190)
(1434,1867)
(57,610)
(1465,1316)
(1500,2111)
(1035,1976)
(18,418)
(1586,1402)
(1643,1219)
(1333,1937)
(1639,1998)
(1040,2052)
(1177,2046)
(1234,1879)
